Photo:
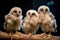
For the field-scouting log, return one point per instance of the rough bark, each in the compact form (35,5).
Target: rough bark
(21,36)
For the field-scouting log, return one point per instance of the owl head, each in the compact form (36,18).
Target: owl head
(43,9)
(16,11)
(31,13)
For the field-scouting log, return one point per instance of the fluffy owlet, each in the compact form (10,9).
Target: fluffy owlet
(46,19)
(13,20)
(30,24)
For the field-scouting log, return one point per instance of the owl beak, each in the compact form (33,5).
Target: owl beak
(17,14)
(44,12)
(30,15)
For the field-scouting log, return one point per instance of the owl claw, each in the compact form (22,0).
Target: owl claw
(49,36)
(43,33)
(17,33)
(30,34)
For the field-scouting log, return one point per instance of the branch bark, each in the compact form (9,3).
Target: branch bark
(22,36)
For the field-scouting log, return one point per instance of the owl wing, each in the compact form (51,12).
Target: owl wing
(21,21)
(54,20)
(26,22)
(51,15)
(55,25)
(6,16)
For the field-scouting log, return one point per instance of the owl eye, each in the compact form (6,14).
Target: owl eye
(15,11)
(41,9)
(19,11)
(46,10)
(33,13)
(29,13)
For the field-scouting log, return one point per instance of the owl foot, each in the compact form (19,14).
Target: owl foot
(18,33)
(49,36)
(30,34)
(43,33)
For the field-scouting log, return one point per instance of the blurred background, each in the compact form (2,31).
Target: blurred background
(6,5)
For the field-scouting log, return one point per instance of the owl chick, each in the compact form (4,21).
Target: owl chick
(13,20)
(47,19)
(30,24)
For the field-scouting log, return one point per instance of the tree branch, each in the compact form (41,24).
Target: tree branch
(22,36)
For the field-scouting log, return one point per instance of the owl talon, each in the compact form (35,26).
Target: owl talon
(43,33)
(17,33)
(30,34)
(49,36)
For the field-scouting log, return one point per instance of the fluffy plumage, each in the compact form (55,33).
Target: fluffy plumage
(30,24)
(13,20)
(47,19)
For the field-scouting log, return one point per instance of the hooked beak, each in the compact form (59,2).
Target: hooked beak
(17,14)
(44,12)
(30,15)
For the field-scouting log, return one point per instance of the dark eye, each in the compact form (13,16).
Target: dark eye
(33,13)
(15,11)
(46,10)
(29,13)
(41,9)
(19,11)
